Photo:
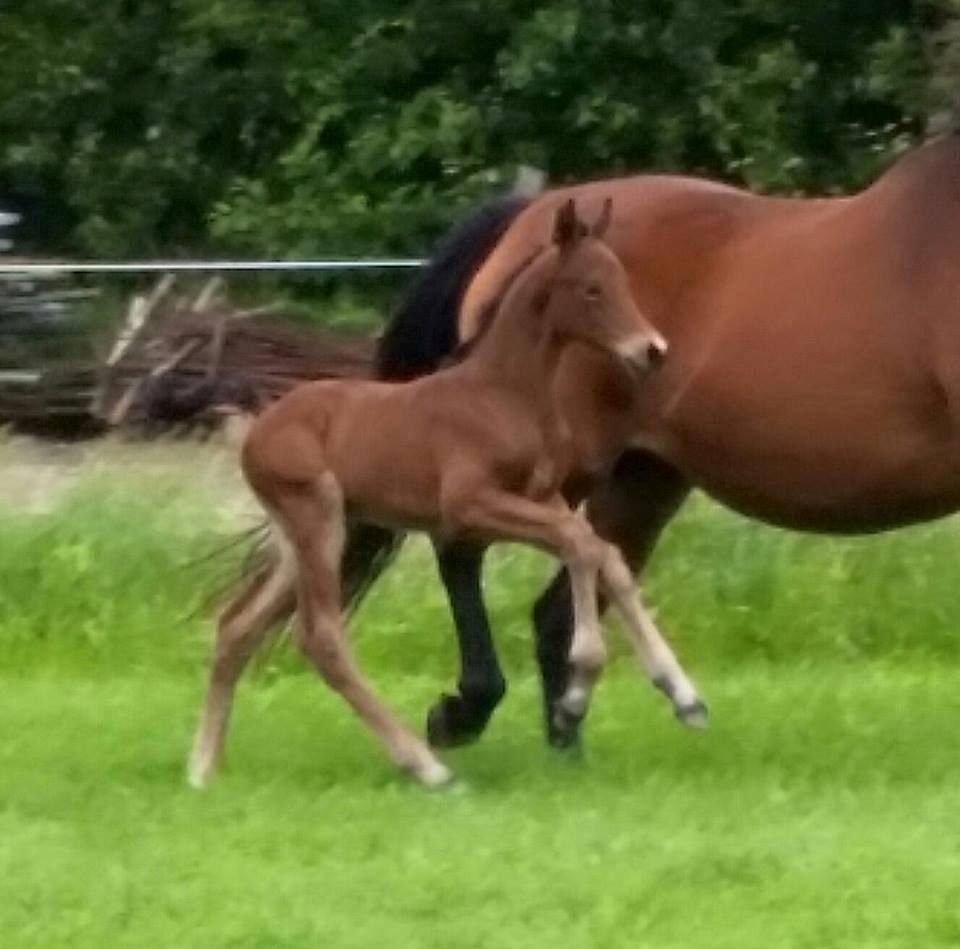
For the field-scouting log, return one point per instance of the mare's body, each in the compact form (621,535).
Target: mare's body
(813,379)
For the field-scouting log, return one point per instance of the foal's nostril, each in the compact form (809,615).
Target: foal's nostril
(656,353)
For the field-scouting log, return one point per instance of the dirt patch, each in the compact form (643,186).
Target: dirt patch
(36,474)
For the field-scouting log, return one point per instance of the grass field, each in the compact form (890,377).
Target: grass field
(820,809)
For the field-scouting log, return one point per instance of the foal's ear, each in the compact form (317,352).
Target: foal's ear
(567,227)
(602,223)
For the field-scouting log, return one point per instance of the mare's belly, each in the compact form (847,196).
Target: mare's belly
(839,496)
(827,428)
(817,452)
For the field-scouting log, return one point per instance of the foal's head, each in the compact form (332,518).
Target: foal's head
(588,297)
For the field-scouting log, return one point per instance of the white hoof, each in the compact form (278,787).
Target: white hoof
(198,776)
(435,775)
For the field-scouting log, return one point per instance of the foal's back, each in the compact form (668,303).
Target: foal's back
(390,445)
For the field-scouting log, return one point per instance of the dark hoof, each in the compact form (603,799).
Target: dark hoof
(563,732)
(450,725)
(694,715)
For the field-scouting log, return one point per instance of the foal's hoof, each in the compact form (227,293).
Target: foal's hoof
(448,724)
(435,776)
(199,774)
(694,715)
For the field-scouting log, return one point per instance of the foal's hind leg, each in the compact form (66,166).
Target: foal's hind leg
(314,520)
(630,509)
(266,600)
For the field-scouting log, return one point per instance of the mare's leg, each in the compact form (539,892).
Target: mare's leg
(313,518)
(652,649)
(368,551)
(553,527)
(460,719)
(630,509)
(268,597)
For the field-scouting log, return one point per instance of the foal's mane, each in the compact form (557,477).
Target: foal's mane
(490,309)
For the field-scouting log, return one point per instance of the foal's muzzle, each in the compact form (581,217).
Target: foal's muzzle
(643,353)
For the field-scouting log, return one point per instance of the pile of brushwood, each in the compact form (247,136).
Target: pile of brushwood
(187,362)
(178,361)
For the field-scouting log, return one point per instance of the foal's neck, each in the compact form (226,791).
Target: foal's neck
(520,351)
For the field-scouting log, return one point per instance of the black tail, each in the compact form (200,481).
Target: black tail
(421,333)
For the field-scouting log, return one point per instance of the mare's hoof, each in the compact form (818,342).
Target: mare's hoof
(694,715)
(448,725)
(563,731)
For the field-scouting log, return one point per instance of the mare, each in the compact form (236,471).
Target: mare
(813,379)
(472,454)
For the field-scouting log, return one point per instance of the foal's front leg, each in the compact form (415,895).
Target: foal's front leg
(652,649)
(630,509)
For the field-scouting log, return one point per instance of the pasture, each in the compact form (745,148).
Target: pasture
(819,809)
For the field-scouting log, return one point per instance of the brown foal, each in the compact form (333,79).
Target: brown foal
(474,452)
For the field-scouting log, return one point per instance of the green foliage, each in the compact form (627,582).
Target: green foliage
(816,812)
(945,54)
(107,578)
(117,573)
(183,125)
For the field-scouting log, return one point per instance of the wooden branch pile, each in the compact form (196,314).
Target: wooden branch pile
(47,365)
(179,360)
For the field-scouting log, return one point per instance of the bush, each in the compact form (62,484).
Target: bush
(208,125)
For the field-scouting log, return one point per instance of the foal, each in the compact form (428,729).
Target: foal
(474,452)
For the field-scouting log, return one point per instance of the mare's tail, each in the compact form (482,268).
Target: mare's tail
(421,333)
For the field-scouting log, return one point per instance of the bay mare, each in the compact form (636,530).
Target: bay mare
(813,380)
(472,454)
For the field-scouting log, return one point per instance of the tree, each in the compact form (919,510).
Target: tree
(192,125)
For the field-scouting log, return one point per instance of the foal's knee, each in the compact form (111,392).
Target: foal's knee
(232,649)
(588,654)
(329,660)
(586,552)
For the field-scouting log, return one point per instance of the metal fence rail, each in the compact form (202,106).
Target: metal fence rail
(206,266)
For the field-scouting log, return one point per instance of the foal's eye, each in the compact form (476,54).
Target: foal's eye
(593,292)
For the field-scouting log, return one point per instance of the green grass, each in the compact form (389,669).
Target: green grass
(819,810)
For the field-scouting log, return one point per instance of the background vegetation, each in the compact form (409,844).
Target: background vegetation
(820,808)
(313,128)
